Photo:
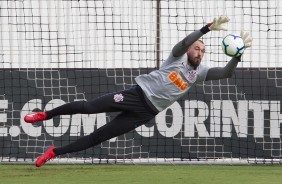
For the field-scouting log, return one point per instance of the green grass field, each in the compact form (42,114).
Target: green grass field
(198,174)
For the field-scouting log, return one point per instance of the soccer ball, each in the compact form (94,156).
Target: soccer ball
(233,45)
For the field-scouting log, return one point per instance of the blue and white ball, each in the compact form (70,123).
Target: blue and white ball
(233,45)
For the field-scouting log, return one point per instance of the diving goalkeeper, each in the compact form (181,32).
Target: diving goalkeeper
(153,93)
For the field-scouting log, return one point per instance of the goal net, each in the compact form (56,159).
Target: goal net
(56,52)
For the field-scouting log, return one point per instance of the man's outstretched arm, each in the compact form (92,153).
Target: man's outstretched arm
(227,71)
(181,47)
(217,73)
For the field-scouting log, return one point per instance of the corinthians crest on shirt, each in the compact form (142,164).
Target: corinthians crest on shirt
(192,76)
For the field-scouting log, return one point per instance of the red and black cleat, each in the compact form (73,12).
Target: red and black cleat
(35,117)
(48,155)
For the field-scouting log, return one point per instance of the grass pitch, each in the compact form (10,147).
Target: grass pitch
(115,174)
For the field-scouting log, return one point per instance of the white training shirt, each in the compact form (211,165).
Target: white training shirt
(174,79)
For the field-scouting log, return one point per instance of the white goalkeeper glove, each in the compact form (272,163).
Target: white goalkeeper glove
(247,39)
(217,23)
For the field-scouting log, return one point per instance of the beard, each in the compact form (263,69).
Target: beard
(194,62)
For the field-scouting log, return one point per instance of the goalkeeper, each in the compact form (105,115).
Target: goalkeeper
(153,93)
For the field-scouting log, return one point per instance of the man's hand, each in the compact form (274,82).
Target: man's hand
(217,23)
(247,39)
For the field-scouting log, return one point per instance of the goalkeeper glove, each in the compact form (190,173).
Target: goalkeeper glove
(217,23)
(247,39)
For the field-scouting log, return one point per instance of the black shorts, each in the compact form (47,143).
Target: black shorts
(130,100)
